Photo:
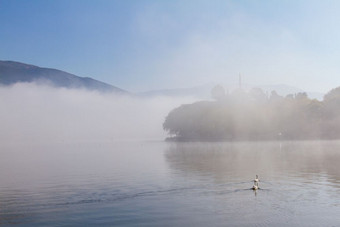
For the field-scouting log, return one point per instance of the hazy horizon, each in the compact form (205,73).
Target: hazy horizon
(41,113)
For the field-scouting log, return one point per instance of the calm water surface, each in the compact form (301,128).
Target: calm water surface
(170,184)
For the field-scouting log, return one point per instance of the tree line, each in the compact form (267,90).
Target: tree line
(254,115)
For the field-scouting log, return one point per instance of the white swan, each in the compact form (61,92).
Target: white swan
(256,183)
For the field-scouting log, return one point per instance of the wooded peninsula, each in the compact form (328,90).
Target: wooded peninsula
(254,115)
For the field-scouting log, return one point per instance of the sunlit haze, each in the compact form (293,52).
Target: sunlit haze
(145,45)
(169,113)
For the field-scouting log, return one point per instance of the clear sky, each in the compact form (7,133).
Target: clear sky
(142,45)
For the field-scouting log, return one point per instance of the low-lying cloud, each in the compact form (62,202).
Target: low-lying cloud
(31,112)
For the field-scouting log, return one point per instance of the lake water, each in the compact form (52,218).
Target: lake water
(170,184)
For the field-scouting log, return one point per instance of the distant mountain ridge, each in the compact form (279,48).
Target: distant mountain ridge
(200,92)
(204,91)
(12,72)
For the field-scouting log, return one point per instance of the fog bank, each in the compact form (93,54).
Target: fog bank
(31,112)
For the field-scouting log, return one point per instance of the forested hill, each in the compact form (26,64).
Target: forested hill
(12,72)
(255,116)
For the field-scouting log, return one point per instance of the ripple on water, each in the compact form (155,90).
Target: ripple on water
(184,185)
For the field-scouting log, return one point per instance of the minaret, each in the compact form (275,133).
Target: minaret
(239,81)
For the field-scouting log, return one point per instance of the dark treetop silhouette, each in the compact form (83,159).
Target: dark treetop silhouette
(254,115)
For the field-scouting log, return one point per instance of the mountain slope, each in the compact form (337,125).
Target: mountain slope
(14,72)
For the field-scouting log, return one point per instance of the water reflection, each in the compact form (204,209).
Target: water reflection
(172,184)
(299,181)
(312,162)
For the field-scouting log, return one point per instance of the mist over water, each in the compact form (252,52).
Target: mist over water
(106,157)
(170,184)
(74,158)
(33,112)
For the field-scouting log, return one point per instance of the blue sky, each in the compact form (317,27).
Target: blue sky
(142,45)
